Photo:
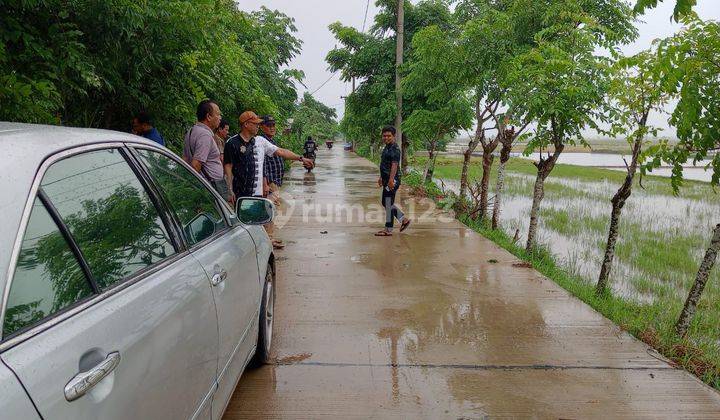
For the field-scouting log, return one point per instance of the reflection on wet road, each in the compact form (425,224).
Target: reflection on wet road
(435,322)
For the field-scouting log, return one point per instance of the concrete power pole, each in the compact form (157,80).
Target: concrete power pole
(398,85)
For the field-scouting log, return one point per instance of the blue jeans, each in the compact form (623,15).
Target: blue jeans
(392,211)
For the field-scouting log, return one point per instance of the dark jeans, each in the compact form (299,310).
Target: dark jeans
(392,211)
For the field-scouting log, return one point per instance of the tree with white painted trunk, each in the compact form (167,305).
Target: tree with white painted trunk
(564,81)
(490,38)
(635,93)
(507,136)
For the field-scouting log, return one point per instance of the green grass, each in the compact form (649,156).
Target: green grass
(665,263)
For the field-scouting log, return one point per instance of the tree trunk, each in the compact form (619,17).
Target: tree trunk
(403,159)
(500,185)
(618,202)
(464,174)
(544,167)
(538,195)
(688,311)
(429,166)
(479,134)
(485,181)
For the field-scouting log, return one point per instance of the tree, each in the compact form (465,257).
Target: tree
(564,81)
(61,64)
(635,92)
(493,33)
(369,58)
(682,7)
(447,109)
(482,45)
(691,70)
(507,137)
(313,118)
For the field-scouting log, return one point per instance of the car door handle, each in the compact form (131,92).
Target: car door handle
(84,381)
(218,278)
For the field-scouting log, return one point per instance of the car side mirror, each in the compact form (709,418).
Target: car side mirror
(200,227)
(254,210)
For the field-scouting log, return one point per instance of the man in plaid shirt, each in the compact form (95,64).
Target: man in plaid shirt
(274,168)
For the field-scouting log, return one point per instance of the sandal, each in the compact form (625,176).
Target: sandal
(405,224)
(278,244)
(383,233)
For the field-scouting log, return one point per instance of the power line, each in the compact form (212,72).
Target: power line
(367,6)
(324,83)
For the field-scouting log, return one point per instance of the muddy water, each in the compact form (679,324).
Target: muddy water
(614,161)
(580,250)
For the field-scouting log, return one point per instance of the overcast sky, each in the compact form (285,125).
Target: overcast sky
(312,18)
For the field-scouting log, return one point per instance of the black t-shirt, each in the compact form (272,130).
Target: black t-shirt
(241,155)
(390,154)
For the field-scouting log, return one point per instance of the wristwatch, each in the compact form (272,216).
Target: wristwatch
(300,158)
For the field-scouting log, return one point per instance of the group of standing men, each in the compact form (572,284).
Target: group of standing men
(244,165)
(248,165)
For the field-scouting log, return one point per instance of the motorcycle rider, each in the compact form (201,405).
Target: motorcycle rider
(309,150)
(310,147)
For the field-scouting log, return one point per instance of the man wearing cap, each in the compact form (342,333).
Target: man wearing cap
(245,155)
(274,169)
(200,149)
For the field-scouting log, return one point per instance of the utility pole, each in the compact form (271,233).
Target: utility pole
(398,85)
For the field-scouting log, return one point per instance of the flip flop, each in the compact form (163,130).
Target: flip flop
(383,233)
(278,245)
(405,224)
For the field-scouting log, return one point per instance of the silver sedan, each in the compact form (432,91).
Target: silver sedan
(130,289)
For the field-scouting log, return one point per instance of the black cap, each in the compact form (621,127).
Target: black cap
(267,120)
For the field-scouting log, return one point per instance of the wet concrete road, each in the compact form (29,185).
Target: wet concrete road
(436,322)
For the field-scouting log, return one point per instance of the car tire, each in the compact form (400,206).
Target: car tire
(266,322)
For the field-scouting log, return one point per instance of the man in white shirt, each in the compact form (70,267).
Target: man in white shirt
(244,158)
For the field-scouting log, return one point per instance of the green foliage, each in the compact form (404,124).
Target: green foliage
(96,64)
(312,118)
(682,7)
(447,109)
(690,68)
(370,59)
(634,93)
(563,80)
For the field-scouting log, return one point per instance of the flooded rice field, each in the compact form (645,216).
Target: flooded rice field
(614,161)
(662,237)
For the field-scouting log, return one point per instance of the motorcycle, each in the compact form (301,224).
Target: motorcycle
(329,144)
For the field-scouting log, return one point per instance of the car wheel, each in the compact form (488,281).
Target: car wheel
(267,312)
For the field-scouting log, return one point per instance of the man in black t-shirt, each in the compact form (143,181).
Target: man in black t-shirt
(390,182)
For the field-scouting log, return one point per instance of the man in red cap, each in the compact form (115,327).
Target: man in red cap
(244,158)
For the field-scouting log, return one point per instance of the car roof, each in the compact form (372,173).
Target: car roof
(24,148)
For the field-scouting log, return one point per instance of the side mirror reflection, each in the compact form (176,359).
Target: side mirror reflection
(254,210)
(200,227)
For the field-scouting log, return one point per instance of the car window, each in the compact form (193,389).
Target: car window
(47,276)
(194,205)
(109,214)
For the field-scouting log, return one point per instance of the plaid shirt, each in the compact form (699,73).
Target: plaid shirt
(274,169)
